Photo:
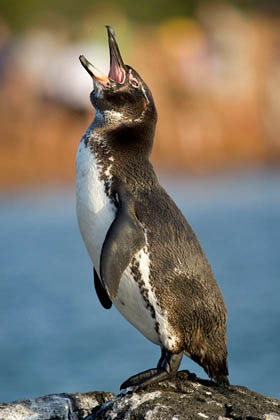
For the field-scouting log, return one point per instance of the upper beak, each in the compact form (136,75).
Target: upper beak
(117,71)
(117,67)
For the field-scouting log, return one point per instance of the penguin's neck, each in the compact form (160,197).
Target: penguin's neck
(118,133)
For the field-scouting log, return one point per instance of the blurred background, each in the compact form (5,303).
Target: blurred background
(214,70)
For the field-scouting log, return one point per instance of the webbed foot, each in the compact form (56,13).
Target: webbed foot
(145,378)
(167,367)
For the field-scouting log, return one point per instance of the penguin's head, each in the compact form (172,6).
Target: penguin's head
(122,96)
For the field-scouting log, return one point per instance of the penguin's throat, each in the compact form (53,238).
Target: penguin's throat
(108,117)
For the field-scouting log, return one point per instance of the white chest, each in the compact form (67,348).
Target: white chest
(95,211)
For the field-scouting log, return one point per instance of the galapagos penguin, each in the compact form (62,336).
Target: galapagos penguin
(147,260)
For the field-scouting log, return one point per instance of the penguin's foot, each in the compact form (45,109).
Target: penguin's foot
(142,379)
(167,367)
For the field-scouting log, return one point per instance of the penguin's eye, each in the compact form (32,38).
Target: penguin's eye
(134,82)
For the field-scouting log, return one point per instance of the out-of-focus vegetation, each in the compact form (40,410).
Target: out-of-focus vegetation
(21,14)
(213,68)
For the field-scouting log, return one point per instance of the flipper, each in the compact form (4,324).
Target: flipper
(101,292)
(124,238)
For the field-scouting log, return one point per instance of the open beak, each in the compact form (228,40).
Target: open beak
(117,68)
(93,71)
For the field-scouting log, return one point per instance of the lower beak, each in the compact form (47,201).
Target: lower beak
(93,71)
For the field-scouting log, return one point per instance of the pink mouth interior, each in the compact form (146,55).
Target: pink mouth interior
(116,72)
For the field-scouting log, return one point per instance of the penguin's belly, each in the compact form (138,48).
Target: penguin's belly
(135,299)
(95,211)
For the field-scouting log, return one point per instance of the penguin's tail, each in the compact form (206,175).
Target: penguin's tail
(222,380)
(220,374)
(215,367)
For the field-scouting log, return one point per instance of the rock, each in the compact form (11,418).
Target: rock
(185,397)
(55,407)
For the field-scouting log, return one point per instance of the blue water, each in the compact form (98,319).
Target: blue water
(55,336)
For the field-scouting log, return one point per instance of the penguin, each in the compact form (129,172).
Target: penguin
(147,259)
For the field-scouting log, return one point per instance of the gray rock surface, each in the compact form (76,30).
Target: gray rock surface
(185,397)
(55,407)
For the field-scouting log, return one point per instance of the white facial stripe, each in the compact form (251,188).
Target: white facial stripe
(144,93)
